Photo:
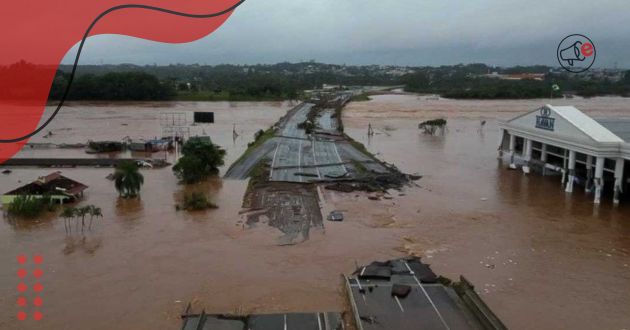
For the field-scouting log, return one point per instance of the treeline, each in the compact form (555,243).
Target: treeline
(593,86)
(288,80)
(473,82)
(247,82)
(112,86)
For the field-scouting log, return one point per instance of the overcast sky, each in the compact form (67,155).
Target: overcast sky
(405,32)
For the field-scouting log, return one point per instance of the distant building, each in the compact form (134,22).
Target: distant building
(55,185)
(593,153)
(516,76)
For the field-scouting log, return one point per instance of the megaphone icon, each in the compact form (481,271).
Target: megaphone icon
(572,53)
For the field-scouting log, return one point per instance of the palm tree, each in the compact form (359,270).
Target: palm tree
(82,212)
(67,214)
(94,212)
(127,179)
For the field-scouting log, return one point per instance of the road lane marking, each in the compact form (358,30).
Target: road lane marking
(427,295)
(319,322)
(300,160)
(339,157)
(319,176)
(273,161)
(399,304)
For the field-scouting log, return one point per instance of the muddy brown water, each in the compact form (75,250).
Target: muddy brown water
(540,258)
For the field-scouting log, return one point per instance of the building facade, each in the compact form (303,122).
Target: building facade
(564,141)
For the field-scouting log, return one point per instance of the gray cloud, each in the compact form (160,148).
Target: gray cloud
(406,32)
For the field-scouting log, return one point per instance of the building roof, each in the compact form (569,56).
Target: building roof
(618,126)
(570,128)
(586,124)
(53,184)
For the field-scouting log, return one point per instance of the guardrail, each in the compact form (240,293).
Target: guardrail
(480,310)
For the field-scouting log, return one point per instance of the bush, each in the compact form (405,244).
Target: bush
(189,169)
(201,158)
(196,202)
(29,206)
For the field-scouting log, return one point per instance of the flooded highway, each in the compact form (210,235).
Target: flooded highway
(539,257)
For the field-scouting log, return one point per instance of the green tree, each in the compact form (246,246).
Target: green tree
(95,212)
(82,212)
(127,179)
(67,214)
(201,158)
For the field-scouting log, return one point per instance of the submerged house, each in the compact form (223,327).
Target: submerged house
(60,188)
(562,140)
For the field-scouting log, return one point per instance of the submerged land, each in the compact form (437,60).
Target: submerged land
(528,248)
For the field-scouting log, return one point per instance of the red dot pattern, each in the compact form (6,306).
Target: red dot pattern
(22,287)
(38,287)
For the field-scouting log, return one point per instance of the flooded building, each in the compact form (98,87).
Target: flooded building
(562,140)
(55,185)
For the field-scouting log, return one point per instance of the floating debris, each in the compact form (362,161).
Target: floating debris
(335,216)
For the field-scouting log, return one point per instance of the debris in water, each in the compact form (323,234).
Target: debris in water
(433,126)
(335,216)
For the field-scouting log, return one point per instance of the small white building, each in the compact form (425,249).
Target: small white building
(584,151)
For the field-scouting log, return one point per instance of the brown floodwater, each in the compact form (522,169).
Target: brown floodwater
(539,257)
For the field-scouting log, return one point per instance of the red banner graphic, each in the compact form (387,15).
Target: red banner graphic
(36,35)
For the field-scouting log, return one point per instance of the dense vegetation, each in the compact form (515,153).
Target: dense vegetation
(29,206)
(201,159)
(473,82)
(113,86)
(287,81)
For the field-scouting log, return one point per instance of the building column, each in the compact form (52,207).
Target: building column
(589,173)
(512,147)
(500,156)
(618,179)
(571,167)
(599,179)
(543,158)
(564,168)
(527,155)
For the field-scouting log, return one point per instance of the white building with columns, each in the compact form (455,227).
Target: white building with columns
(562,140)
